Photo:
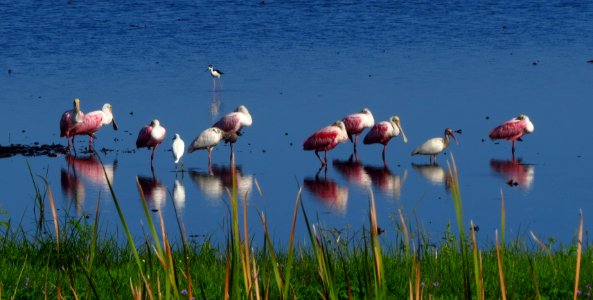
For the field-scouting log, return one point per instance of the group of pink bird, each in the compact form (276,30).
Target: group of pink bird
(228,129)
(351,126)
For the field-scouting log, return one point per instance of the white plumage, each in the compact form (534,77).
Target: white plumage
(435,145)
(177,148)
(208,139)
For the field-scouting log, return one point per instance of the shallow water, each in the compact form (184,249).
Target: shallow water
(300,66)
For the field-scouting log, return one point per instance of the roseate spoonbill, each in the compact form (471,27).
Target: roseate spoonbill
(384,131)
(70,121)
(512,130)
(356,123)
(208,139)
(150,136)
(93,121)
(216,74)
(326,139)
(177,148)
(435,145)
(233,122)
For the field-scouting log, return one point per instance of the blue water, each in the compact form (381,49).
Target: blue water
(299,66)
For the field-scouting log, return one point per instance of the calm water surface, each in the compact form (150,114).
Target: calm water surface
(299,66)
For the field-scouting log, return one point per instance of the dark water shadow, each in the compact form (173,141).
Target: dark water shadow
(514,172)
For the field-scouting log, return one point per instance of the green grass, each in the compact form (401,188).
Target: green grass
(80,262)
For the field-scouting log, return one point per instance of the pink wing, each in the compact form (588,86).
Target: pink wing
(90,123)
(352,123)
(65,123)
(510,130)
(229,123)
(321,140)
(143,137)
(378,134)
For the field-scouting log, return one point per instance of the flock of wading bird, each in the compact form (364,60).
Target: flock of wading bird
(351,126)
(228,129)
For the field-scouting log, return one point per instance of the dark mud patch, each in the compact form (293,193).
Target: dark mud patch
(52,150)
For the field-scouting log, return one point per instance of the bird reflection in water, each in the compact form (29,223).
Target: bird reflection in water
(353,170)
(215,106)
(87,169)
(389,183)
(434,173)
(154,191)
(514,172)
(328,191)
(179,196)
(220,178)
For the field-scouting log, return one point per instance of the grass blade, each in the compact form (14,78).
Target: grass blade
(579,253)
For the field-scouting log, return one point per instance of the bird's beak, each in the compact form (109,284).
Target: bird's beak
(453,136)
(402,131)
(115,127)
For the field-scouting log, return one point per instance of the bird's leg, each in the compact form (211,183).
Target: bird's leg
(383,155)
(214,84)
(325,163)
(209,155)
(513,149)
(220,82)
(232,151)
(321,160)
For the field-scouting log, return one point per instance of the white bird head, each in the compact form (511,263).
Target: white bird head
(108,112)
(365,111)
(242,109)
(176,136)
(77,112)
(155,123)
(397,122)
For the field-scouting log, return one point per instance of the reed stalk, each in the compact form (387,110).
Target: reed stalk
(503,293)
(579,253)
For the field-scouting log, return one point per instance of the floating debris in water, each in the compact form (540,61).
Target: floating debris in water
(32,150)
(512,183)
(459,131)
(590,61)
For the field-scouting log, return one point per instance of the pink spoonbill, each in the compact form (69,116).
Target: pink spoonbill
(435,145)
(150,136)
(208,139)
(512,130)
(94,120)
(326,139)
(233,122)
(70,121)
(384,131)
(356,123)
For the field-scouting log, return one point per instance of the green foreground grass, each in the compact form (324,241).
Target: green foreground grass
(81,263)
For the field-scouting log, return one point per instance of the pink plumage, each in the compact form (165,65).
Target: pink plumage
(91,123)
(512,130)
(150,136)
(326,139)
(378,134)
(94,120)
(383,132)
(70,121)
(356,123)
(323,140)
(229,123)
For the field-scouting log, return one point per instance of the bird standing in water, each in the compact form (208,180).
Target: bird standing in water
(177,148)
(70,121)
(326,139)
(384,131)
(207,139)
(435,145)
(512,130)
(216,74)
(232,123)
(356,123)
(94,120)
(150,136)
